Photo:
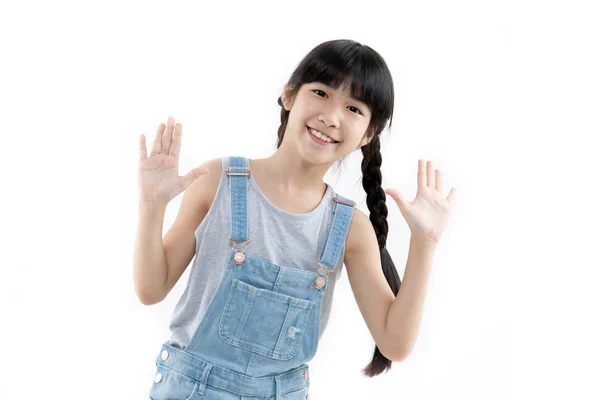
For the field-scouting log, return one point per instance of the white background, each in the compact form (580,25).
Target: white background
(502,96)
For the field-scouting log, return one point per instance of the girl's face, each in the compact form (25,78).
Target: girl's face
(333,112)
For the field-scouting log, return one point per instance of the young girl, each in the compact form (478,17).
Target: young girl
(270,238)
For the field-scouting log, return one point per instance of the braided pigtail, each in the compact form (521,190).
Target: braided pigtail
(376,197)
(284,119)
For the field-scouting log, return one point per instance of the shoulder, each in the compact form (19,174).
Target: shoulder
(203,190)
(359,231)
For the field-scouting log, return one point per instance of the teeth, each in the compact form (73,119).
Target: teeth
(320,135)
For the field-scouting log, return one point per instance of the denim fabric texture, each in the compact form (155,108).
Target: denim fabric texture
(262,325)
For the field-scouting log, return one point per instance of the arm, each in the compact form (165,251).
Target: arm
(373,294)
(393,321)
(427,216)
(158,262)
(405,314)
(150,265)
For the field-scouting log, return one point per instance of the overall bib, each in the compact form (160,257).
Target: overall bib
(262,325)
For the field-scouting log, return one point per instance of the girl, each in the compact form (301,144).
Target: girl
(270,238)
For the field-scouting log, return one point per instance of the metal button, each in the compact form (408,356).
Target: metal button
(319,282)
(164,355)
(158,377)
(239,258)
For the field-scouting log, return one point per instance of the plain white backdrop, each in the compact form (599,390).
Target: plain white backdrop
(502,96)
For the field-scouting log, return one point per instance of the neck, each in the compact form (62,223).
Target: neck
(292,174)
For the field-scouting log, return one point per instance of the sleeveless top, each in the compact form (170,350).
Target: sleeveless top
(293,240)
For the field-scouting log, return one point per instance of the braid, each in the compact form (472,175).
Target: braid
(376,197)
(371,169)
(284,119)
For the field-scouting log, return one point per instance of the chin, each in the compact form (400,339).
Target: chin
(316,157)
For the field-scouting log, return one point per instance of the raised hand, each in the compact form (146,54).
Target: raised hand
(428,213)
(158,179)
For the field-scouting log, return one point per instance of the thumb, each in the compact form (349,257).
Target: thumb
(398,198)
(191,176)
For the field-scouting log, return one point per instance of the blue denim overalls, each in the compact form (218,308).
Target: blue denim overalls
(262,325)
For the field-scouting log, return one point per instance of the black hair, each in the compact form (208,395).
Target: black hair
(338,63)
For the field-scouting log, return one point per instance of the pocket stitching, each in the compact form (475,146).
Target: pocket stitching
(303,305)
(296,348)
(303,389)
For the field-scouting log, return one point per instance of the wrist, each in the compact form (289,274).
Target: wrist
(151,208)
(423,242)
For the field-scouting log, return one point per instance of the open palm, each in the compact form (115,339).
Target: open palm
(427,215)
(159,180)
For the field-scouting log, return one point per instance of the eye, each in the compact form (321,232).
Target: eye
(356,109)
(319,90)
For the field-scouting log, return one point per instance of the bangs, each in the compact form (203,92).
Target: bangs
(343,64)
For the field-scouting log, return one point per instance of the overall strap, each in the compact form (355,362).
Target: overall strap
(343,211)
(238,172)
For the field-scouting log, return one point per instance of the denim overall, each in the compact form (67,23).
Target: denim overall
(262,325)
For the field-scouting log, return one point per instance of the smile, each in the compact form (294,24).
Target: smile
(320,137)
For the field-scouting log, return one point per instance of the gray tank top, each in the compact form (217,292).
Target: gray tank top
(291,240)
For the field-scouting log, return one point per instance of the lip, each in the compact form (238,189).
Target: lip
(317,140)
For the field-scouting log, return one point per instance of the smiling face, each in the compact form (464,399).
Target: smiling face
(333,112)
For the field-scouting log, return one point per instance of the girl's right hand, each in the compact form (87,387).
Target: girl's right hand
(159,181)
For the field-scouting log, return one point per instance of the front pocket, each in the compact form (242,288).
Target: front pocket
(268,323)
(172,384)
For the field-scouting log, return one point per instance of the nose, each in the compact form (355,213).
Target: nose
(330,116)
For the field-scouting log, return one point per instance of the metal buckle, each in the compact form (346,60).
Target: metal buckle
(228,172)
(320,281)
(239,257)
(342,201)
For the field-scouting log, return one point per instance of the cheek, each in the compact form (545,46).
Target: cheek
(349,144)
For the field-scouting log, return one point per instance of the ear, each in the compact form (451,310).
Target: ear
(286,97)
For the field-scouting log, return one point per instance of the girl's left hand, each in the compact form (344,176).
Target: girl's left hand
(428,213)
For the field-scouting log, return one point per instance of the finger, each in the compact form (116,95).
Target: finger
(157,139)
(176,146)
(421,175)
(143,150)
(438,181)
(166,141)
(430,175)
(450,197)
